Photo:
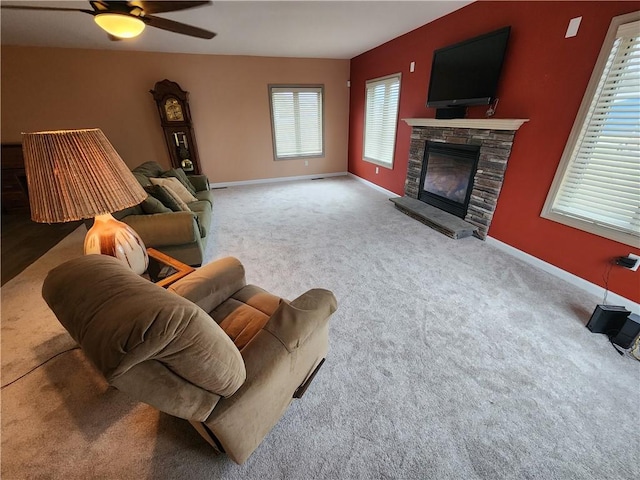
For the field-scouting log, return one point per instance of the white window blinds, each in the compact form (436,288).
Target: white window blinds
(381,119)
(296,114)
(601,183)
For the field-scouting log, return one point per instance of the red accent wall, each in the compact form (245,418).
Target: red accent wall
(543,79)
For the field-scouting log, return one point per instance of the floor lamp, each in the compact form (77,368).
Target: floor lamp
(77,174)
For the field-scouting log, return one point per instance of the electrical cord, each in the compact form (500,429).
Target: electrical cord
(38,366)
(614,345)
(605,278)
(492,109)
(632,351)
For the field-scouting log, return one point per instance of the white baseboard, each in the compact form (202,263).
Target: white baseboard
(373,185)
(612,298)
(277,179)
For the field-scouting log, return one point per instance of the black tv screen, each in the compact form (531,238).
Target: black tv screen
(467,73)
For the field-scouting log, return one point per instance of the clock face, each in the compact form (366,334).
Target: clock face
(173,110)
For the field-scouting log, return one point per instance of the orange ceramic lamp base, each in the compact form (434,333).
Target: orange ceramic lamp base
(109,236)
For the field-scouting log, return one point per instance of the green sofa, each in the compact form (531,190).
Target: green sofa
(180,234)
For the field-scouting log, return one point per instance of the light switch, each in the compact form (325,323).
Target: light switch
(412,67)
(572,29)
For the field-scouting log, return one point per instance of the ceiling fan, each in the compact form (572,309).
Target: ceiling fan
(128,19)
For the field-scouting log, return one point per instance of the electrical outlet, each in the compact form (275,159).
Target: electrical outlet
(572,29)
(376,170)
(630,262)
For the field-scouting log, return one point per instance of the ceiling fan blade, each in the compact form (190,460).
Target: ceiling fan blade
(99,6)
(177,27)
(50,9)
(116,6)
(151,7)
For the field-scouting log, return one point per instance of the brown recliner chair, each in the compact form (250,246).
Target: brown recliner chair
(227,356)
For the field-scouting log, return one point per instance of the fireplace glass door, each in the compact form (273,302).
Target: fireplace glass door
(447,176)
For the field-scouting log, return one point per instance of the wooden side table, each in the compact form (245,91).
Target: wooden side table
(164,270)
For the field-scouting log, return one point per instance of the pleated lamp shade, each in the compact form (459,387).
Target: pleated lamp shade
(77,174)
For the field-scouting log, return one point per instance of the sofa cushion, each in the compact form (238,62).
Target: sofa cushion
(205,195)
(180,175)
(172,183)
(142,179)
(245,313)
(167,199)
(183,205)
(149,169)
(120,214)
(200,206)
(152,205)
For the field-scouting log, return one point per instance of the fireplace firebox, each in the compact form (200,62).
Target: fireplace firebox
(447,176)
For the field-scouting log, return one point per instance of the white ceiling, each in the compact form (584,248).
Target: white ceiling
(320,29)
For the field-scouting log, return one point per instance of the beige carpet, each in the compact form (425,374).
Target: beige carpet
(448,359)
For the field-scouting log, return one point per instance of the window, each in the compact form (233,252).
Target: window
(597,184)
(381,119)
(296,121)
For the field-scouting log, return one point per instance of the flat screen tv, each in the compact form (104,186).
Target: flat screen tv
(467,73)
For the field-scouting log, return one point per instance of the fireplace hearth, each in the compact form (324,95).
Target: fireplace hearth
(478,178)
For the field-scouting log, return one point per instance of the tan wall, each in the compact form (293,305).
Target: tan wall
(54,88)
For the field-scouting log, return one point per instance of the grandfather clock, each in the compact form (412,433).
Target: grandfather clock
(175,119)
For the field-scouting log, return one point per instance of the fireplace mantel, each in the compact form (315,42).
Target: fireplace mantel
(475,123)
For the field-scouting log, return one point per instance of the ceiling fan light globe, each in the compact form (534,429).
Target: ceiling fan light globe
(118,25)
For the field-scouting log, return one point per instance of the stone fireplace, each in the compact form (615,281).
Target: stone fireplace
(489,141)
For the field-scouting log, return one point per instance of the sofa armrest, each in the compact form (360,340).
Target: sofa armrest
(199,182)
(212,284)
(292,323)
(163,229)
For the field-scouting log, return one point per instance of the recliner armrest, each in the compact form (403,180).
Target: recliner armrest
(292,323)
(212,284)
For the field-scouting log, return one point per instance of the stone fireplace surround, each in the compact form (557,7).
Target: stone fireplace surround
(495,138)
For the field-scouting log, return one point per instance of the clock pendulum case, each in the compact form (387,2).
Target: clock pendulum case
(175,120)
